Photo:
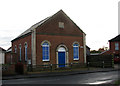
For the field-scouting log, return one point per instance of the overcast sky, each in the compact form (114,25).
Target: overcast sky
(97,18)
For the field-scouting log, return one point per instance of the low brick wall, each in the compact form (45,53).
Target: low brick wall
(8,69)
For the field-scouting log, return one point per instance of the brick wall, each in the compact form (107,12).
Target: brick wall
(7,58)
(22,42)
(112,48)
(55,41)
(8,69)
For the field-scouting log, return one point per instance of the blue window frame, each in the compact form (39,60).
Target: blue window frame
(45,51)
(25,51)
(20,52)
(75,51)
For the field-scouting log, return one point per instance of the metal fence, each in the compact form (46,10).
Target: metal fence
(51,67)
(11,68)
(101,64)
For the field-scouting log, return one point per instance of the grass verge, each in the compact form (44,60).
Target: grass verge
(117,82)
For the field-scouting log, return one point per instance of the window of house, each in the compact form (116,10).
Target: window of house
(15,49)
(61,25)
(45,51)
(116,46)
(20,47)
(75,51)
(25,51)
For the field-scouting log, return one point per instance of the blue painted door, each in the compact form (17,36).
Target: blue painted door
(61,59)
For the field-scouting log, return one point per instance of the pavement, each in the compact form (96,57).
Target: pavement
(49,74)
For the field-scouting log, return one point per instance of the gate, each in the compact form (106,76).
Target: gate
(19,68)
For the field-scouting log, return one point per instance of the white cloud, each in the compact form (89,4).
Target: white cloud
(97,18)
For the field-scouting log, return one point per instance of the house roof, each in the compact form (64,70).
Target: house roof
(87,47)
(104,52)
(9,49)
(40,23)
(34,26)
(94,53)
(117,38)
(2,49)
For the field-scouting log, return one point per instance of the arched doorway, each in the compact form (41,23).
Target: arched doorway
(62,55)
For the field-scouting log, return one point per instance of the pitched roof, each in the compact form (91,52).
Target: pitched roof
(117,38)
(104,52)
(40,23)
(34,26)
(9,49)
(2,49)
(87,47)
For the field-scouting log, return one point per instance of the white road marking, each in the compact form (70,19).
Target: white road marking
(99,82)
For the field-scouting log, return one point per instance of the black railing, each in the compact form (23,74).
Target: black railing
(101,64)
(51,67)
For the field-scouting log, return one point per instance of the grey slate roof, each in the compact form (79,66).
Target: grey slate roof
(2,49)
(117,38)
(33,27)
(9,49)
(87,47)
(104,52)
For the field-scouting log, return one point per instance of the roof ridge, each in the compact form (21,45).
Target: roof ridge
(34,26)
(117,38)
(2,48)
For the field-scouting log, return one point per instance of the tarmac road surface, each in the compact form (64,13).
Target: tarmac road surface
(89,78)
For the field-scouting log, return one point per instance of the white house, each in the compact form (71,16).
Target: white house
(2,55)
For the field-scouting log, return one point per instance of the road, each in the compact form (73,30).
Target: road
(89,78)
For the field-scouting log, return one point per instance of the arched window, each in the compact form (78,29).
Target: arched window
(15,49)
(45,51)
(26,51)
(20,47)
(76,51)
